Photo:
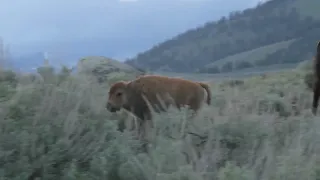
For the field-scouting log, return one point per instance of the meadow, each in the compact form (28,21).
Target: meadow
(55,126)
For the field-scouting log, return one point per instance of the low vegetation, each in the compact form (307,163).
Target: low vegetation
(55,126)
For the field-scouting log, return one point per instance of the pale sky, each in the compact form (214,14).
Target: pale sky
(31,22)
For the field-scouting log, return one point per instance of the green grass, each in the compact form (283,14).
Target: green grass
(56,127)
(254,55)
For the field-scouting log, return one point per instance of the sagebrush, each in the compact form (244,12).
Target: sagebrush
(55,126)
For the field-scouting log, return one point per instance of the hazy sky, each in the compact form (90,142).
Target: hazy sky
(32,22)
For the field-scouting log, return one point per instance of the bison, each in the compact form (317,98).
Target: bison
(316,81)
(157,92)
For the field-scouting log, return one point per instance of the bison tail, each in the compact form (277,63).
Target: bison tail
(207,88)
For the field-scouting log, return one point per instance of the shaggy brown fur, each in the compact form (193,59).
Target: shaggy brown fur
(158,92)
(171,91)
(316,84)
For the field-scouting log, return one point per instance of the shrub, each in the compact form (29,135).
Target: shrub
(308,80)
(307,68)
(58,128)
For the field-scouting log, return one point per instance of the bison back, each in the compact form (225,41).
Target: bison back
(171,91)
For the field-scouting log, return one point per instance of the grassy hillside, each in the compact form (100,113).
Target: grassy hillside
(258,35)
(246,59)
(111,65)
(308,8)
(102,69)
(57,128)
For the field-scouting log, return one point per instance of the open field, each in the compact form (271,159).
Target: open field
(256,128)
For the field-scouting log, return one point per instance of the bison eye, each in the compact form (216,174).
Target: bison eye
(119,94)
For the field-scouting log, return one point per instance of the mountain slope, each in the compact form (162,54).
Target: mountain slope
(247,59)
(267,24)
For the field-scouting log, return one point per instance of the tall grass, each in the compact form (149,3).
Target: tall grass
(56,127)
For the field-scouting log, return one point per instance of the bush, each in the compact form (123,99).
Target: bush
(59,132)
(307,68)
(308,80)
(58,128)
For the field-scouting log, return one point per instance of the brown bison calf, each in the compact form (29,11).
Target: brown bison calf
(160,92)
(316,84)
(171,91)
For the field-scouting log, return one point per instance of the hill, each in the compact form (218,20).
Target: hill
(274,32)
(102,68)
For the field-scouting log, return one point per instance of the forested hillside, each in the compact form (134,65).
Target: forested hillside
(275,32)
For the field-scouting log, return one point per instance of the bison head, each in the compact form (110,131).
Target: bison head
(117,96)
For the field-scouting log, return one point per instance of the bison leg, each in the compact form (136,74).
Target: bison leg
(121,125)
(144,128)
(316,94)
(144,134)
